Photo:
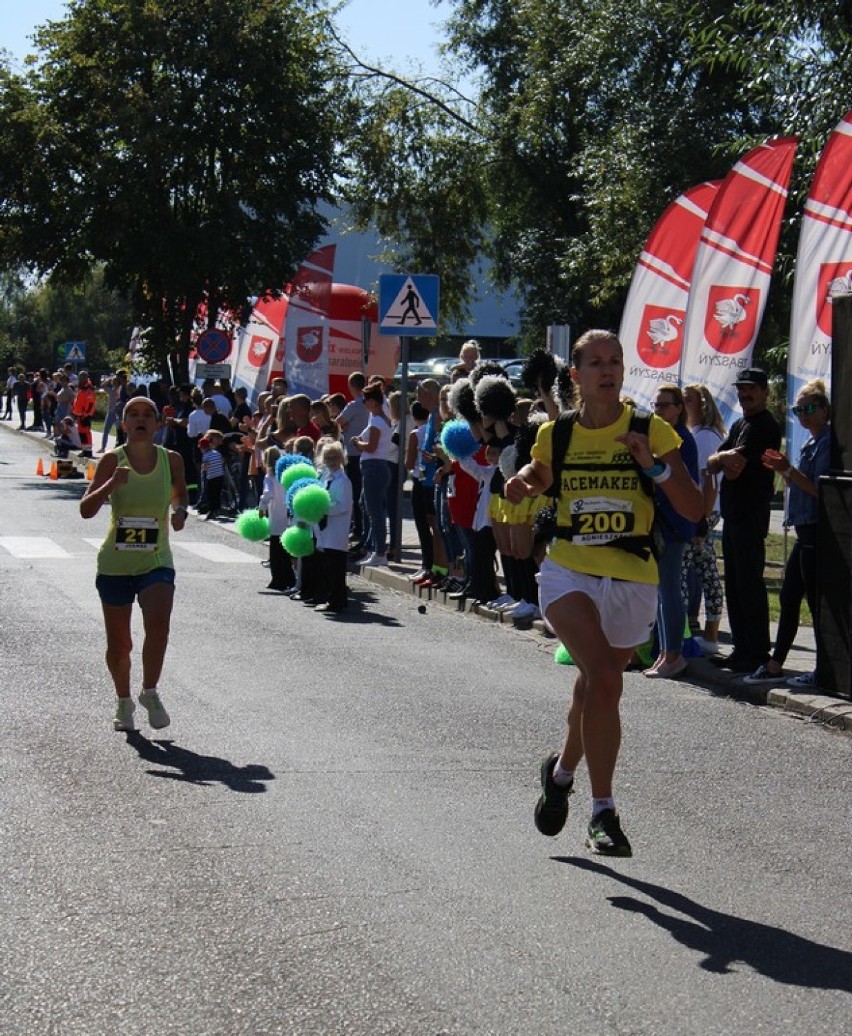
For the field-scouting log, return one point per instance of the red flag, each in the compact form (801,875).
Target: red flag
(733,266)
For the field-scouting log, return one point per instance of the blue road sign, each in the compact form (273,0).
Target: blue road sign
(213,346)
(408,304)
(75,352)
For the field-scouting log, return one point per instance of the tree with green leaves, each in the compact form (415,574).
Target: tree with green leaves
(591,117)
(183,144)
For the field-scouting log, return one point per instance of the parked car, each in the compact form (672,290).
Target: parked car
(514,368)
(442,365)
(418,372)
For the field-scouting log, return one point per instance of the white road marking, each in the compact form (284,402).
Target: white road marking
(217,552)
(32,547)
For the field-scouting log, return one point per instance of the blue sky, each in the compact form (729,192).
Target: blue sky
(393,32)
(399,36)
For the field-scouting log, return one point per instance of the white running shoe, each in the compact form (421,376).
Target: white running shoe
(708,647)
(157,715)
(124,715)
(422,573)
(376,561)
(803,681)
(499,602)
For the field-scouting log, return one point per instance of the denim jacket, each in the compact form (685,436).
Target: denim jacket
(802,508)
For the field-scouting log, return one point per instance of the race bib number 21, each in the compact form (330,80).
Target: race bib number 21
(137,534)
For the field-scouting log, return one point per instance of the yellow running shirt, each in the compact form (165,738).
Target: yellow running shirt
(138,537)
(602,497)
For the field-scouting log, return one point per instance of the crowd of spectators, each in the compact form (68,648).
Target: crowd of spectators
(471,543)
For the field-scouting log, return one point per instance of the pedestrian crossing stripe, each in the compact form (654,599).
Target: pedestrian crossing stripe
(408,304)
(30,548)
(33,548)
(217,552)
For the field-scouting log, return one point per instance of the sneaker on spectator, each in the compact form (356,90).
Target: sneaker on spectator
(419,574)
(763,674)
(157,715)
(376,561)
(523,610)
(511,603)
(124,715)
(501,601)
(605,836)
(707,647)
(803,681)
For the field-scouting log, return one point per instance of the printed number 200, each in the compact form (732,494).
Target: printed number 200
(601,521)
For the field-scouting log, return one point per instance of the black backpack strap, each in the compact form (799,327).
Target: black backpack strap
(640,421)
(562,428)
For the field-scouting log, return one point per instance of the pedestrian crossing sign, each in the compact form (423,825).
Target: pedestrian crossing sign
(408,304)
(75,352)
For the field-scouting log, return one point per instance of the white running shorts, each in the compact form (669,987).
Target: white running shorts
(628,610)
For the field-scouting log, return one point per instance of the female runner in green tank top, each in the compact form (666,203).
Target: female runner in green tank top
(140,480)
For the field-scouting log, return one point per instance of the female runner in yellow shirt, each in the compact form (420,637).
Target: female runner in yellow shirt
(600,599)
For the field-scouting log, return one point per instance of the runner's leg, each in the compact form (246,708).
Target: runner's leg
(156,603)
(119,646)
(576,622)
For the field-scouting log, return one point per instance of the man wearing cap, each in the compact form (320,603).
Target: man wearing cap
(746,491)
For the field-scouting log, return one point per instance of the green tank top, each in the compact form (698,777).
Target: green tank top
(138,537)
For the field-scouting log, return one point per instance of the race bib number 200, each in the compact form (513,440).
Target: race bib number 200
(599,519)
(137,534)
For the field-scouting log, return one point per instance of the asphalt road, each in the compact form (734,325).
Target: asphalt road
(335,834)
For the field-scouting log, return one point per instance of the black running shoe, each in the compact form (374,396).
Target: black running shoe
(605,835)
(551,810)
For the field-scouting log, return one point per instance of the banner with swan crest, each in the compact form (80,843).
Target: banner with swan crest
(732,271)
(823,271)
(652,323)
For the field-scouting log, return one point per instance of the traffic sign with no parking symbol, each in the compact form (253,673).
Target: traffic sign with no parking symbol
(214,345)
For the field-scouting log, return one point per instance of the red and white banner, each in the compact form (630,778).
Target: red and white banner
(823,270)
(652,323)
(260,342)
(733,266)
(306,328)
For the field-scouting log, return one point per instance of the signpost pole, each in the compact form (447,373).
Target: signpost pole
(403,441)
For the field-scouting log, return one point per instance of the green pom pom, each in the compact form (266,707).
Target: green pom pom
(252,525)
(311,504)
(298,541)
(297,471)
(562,656)
(646,651)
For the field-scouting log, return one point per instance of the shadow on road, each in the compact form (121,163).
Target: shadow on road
(725,939)
(199,769)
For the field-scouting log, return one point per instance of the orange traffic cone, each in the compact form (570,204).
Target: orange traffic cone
(54,471)
(40,467)
(90,471)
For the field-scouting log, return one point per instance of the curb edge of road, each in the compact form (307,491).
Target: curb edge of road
(817,708)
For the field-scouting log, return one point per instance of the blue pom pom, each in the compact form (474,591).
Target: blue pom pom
(300,483)
(458,440)
(287,460)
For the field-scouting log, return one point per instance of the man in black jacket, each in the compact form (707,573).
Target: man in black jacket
(746,491)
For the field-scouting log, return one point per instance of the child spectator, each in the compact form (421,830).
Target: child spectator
(333,535)
(304,445)
(213,469)
(68,438)
(481,467)
(273,503)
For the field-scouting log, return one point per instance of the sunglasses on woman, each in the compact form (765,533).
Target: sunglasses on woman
(806,408)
